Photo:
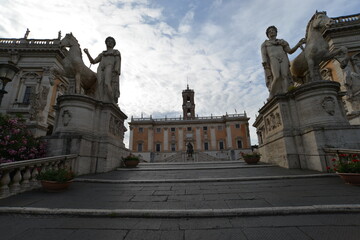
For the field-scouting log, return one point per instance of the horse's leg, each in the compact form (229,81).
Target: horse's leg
(78,83)
(342,57)
(311,64)
(339,55)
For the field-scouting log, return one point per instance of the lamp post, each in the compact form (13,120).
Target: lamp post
(7,73)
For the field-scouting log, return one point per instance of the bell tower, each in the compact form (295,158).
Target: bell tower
(188,103)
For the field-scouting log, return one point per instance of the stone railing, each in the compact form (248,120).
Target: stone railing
(346,19)
(37,43)
(17,177)
(227,116)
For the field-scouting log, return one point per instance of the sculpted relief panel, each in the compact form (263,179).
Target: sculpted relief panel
(273,121)
(116,126)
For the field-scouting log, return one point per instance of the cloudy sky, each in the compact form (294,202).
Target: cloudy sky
(214,45)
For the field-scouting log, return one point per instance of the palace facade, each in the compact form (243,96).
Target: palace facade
(345,32)
(168,139)
(33,91)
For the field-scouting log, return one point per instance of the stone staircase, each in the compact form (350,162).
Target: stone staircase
(196,157)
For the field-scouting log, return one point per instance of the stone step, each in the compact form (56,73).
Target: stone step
(186,213)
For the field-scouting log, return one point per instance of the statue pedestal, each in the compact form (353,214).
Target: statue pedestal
(294,128)
(92,129)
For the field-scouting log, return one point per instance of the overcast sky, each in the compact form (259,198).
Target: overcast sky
(212,44)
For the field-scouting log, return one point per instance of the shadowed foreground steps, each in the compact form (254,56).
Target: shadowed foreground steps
(217,200)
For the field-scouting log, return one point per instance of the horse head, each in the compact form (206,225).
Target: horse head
(320,20)
(68,41)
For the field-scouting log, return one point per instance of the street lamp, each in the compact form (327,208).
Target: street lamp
(7,73)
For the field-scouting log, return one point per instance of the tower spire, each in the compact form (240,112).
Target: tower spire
(188,103)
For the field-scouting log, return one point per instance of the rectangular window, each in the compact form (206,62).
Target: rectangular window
(27,95)
(141,129)
(205,128)
(221,145)
(172,129)
(189,128)
(173,147)
(206,146)
(158,130)
(140,147)
(239,143)
(158,147)
(219,128)
(237,125)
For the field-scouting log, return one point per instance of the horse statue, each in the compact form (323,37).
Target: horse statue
(189,150)
(75,68)
(316,50)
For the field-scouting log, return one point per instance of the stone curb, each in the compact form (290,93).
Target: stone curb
(193,163)
(197,180)
(194,168)
(186,213)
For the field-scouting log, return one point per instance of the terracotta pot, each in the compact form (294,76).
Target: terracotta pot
(52,186)
(131,163)
(351,178)
(251,160)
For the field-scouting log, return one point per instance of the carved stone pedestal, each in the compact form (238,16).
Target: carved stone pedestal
(92,129)
(293,128)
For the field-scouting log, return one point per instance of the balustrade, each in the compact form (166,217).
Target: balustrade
(17,177)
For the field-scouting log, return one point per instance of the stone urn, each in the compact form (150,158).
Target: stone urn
(53,186)
(131,161)
(55,180)
(251,158)
(350,178)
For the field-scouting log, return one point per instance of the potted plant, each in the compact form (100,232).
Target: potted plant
(251,158)
(347,166)
(56,180)
(131,160)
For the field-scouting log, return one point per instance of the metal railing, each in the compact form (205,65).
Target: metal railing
(17,177)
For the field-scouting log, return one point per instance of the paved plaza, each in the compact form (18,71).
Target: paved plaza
(218,200)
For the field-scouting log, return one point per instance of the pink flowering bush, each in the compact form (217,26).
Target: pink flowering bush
(16,142)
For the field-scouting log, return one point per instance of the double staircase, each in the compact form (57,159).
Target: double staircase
(196,157)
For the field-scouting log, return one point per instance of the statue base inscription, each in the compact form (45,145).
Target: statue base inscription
(294,128)
(92,129)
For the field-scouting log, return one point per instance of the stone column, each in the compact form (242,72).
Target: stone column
(213,138)
(131,138)
(228,136)
(166,139)
(181,139)
(150,139)
(198,139)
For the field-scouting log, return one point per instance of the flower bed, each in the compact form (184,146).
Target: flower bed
(17,142)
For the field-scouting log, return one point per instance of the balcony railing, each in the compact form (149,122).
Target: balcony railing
(15,42)
(347,19)
(228,116)
(17,177)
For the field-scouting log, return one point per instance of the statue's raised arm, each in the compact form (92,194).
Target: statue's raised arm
(108,72)
(276,62)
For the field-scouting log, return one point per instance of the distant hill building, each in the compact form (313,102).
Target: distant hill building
(211,138)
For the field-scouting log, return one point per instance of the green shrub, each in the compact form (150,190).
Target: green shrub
(60,175)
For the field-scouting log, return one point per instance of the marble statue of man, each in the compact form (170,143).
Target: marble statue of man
(276,62)
(108,72)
